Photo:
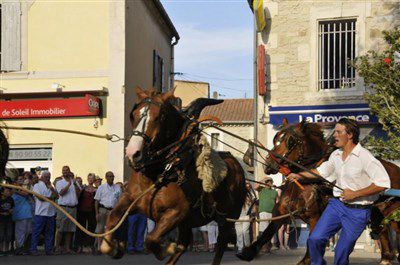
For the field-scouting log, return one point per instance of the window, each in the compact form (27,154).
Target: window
(214,141)
(158,72)
(337,47)
(10,32)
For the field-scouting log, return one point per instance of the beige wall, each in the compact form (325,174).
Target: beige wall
(144,33)
(65,43)
(189,91)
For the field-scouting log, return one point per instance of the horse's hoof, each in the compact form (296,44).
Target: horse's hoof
(118,253)
(247,254)
(304,262)
(172,249)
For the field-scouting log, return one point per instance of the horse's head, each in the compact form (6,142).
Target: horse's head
(147,117)
(303,143)
(157,123)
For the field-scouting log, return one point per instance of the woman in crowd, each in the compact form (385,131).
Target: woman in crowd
(22,216)
(86,215)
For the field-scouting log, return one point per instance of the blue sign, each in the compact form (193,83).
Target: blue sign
(321,113)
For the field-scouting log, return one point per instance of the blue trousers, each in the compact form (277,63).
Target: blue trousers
(137,224)
(40,223)
(335,217)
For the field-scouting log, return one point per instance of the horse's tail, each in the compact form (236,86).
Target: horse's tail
(4,151)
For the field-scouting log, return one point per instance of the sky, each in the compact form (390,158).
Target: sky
(216,44)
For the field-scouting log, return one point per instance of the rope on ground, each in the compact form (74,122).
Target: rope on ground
(262,220)
(72,218)
(109,137)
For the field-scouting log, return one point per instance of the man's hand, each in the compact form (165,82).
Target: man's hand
(293,176)
(349,195)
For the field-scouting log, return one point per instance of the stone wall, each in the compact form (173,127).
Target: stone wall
(291,39)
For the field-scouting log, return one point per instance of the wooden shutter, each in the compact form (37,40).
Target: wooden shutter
(155,67)
(162,87)
(11,36)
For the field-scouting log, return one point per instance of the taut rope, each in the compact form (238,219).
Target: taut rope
(109,137)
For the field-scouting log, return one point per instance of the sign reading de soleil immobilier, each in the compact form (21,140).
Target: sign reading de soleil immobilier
(48,108)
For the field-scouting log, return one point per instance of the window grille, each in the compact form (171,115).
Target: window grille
(337,47)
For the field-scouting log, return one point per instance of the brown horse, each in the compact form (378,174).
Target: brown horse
(304,143)
(158,124)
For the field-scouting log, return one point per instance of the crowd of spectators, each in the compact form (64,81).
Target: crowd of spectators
(27,221)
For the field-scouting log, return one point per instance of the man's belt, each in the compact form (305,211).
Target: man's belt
(107,208)
(357,206)
(68,206)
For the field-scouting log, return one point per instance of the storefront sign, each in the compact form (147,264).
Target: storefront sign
(321,113)
(49,108)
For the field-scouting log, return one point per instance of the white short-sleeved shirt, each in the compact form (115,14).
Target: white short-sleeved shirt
(108,195)
(358,171)
(43,208)
(69,198)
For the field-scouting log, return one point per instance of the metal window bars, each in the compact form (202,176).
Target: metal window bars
(336,47)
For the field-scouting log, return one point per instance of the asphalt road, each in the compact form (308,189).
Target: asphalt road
(276,258)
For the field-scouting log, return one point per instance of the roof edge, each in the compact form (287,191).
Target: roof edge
(166,18)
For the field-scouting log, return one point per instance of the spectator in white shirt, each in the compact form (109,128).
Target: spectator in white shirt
(44,214)
(69,191)
(106,197)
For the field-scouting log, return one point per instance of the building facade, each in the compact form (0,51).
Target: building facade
(74,66)
(303,56)
(237,117)
(188,91)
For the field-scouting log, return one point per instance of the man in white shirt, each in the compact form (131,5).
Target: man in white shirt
(362,177)
(44,214)
(68,191)
(106,197)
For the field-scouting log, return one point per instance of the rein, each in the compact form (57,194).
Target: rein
(277,155)
(109,137)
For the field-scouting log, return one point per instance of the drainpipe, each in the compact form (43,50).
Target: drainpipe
(255,113)
(172,76)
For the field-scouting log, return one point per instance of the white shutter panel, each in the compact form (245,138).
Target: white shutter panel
(11,36)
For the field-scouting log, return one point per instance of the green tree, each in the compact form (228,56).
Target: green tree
(381,73)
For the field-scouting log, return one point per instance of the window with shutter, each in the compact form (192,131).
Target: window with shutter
(158,72)
(10,36)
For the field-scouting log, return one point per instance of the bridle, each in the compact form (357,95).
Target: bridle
(292,142)
(148,101)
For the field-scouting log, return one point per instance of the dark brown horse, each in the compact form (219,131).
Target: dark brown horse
(156,125)
(4,150)
(304,143)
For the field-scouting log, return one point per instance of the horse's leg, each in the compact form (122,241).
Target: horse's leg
(386,248)
(224,232)
(306,259)
(184,239)
(251,251)
(168,221)
(107,245)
